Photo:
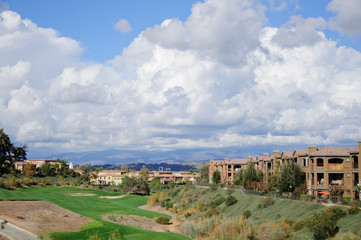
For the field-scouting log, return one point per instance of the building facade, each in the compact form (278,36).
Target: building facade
(327,169)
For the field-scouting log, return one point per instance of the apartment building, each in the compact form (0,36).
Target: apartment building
(228,168)
(327,169)
(114,177)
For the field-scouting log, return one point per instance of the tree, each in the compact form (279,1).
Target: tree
(204,172)
(30,169)
(135,185)
(250,174)
(216,177)
(290,176)
(155,185)
(144,173)
(238,177)
(47,169)
(9,153)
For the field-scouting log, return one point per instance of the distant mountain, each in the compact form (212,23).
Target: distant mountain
(179,156)
(153,166)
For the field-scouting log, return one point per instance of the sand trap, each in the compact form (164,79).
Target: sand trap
(81,194)
(112,197)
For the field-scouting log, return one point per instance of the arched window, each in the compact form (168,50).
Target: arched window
(319,162)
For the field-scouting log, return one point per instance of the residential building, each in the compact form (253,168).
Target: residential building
(326,169)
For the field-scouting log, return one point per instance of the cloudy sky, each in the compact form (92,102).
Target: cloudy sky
(89,75)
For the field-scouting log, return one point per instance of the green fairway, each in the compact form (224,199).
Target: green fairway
(92,207)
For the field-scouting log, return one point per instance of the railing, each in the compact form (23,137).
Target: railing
(335,166)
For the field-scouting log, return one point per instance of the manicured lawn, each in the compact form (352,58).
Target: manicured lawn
(92,207)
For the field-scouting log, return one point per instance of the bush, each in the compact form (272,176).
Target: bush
(268,201)
(306,197)
(218,201)
(297,226)
(14,182)
(337,212)
(162,220)
(346,200)
(201,206)
(211,212)
(4,184)
(230,200)
(323,225)
(246,214)
(353,210)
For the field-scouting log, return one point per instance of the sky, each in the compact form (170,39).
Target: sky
(162,75)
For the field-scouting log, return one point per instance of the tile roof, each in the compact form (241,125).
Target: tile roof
(237,161)
(334,151)
(301,152)
(287,154)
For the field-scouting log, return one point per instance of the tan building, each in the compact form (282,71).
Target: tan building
(327,169)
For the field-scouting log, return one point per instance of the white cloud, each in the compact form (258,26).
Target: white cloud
(123,26)
(218,79)
(348,17)
(299,31)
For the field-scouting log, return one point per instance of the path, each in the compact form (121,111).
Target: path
(15,233)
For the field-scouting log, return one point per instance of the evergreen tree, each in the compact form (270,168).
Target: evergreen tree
(290,176)
(216,177)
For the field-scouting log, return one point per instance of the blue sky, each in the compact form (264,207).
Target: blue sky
(94,75)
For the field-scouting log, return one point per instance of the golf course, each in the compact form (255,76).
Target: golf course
(90,205)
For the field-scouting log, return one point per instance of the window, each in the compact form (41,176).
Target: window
(319,162)
(347,175)
(347,159)
(304,162)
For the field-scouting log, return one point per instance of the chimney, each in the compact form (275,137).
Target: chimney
(359,146)
(276,154)
(312,148)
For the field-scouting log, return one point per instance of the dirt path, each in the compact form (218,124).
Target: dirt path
(39,217)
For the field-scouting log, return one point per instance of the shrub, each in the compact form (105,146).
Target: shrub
(218,201)
(201,206)
(306,197)
(4,184)
(353,210)
(211,212)
(246,214)
(153,199)
(346,200)
(323,225)
(297,226)
(162,220)
(14,182)
(337,212)
(189,212)
(268,201)
(230,200)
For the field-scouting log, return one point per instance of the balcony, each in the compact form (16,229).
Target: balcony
(335,166)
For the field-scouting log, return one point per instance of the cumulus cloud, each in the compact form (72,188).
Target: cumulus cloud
(224,31)
(221,78)
(347,16)
(123,26)
(299,31)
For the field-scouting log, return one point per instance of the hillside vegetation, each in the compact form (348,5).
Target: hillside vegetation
(214,213)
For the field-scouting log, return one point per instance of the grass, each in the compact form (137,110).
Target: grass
(92,207)
(280,210)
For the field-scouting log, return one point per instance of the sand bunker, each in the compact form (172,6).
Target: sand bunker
(81,194)
(112,197)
